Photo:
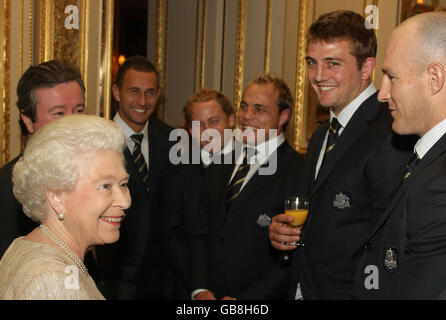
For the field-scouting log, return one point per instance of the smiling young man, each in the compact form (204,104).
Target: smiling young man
(45,93)
(354,164)
(129,268)
(232,257)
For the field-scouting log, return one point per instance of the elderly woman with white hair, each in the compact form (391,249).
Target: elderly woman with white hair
(71,179)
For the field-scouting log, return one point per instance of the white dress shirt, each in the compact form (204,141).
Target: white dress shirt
(264,151)
(427,141)
(129,132)
(344,117)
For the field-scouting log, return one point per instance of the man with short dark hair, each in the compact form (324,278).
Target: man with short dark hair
(231,256)
(45,93)
(131,268)
(354,163)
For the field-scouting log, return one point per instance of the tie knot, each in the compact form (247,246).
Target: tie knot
(413,161)
(335,126)
(137,138)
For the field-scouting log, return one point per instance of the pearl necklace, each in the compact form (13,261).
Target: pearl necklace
(50,234)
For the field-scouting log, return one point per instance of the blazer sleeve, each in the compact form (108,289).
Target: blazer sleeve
(172,226)
(423,265)
(276,281)
(198,244)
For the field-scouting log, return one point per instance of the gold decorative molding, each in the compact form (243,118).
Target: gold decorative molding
(83,45)
(240,55)
(46,30)
(197,48)
(162,18)
(301,75)
(203,43)
(106,67)
(5,24)
(269,6)
(200,44)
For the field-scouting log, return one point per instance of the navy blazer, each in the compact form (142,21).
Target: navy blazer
(131,267)
(233,257)
(13,221)
(351,192)
(408,245)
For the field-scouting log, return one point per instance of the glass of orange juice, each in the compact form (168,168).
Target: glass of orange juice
(297,207)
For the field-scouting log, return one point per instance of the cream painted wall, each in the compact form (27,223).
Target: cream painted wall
(221,35)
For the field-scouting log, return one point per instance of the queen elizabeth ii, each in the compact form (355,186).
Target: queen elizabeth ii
(71,179)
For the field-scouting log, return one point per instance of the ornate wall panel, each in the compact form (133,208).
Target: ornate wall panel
(5,41)
(33,31)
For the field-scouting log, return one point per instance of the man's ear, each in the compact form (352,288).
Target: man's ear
(368,66)
(55,200)
(436,77)
(284,116)
(28,123)
(115,90)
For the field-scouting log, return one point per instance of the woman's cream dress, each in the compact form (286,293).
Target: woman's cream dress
(35,271)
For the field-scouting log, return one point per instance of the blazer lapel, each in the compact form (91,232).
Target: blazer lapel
(258,181)
(354,130)
(356,127)
(437,150)
(313,156)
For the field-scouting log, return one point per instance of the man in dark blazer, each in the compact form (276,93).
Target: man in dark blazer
(405,255)
(353,164)
(231,257)
(131,268)
(184,184)
(45,92)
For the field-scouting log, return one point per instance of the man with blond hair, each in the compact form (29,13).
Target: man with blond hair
(184,184)
(232,256)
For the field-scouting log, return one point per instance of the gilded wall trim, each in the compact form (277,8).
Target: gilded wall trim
(162,18)
(301,75)
(5,77)
(269,6)
(30,19)
(197,47)
(106,66)
(240,55)
(203,43)
(83,45)
(46,30)
(200,44)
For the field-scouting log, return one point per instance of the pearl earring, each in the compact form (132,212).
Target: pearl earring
(61,216)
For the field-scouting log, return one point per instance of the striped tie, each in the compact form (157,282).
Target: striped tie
(333,134)
(236,183)
(411,165)
(139,159)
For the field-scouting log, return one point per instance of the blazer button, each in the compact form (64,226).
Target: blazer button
(369,246)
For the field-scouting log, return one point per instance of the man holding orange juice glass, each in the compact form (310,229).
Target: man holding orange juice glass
(354,163)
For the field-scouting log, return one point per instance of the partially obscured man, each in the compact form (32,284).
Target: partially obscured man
(354,163)
(45,93)
(131,268)
(406,251)
(232,257)
(184,184)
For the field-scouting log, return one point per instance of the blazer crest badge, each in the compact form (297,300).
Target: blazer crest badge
(264,220)
(391,259)
(341,201)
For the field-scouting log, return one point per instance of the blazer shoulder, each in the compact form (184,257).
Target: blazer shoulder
(6,170)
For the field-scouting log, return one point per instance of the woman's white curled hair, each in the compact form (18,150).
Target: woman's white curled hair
(48,162)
